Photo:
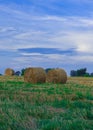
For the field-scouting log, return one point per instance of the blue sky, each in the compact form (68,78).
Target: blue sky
(46,33)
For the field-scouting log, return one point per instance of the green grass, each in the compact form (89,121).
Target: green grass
(25,106)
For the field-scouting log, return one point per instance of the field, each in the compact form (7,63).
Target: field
(25,106)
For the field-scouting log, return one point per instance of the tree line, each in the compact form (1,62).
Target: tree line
(73,73)
(81,72)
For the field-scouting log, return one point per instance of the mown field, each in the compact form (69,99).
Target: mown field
(25,106)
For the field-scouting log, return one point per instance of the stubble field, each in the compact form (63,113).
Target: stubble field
(25,106)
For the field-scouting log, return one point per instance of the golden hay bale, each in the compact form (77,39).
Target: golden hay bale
(9,72)
(35,75)
(56,76)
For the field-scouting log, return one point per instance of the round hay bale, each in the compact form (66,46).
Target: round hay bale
(35,75)
(9,72)
(56,76)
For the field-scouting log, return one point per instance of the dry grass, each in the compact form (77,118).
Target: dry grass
(88,81)
(78,80)
(11,78)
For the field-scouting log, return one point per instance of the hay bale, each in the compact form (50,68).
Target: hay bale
(35,75)
(9,72)
(56,76)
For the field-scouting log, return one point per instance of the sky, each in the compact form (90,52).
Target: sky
(46,33)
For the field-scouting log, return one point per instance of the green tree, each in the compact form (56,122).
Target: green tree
(22,72)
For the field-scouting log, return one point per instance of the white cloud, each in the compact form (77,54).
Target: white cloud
(63,35)
(46,31)
(31,54)
(51,60)
(6,29)
(30,35)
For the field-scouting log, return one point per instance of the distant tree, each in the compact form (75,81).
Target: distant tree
(87,75)
(22,72)
(91,74)
(81,72)
(17,73)
(73,73)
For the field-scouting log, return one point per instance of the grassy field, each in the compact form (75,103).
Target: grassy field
(25,106)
